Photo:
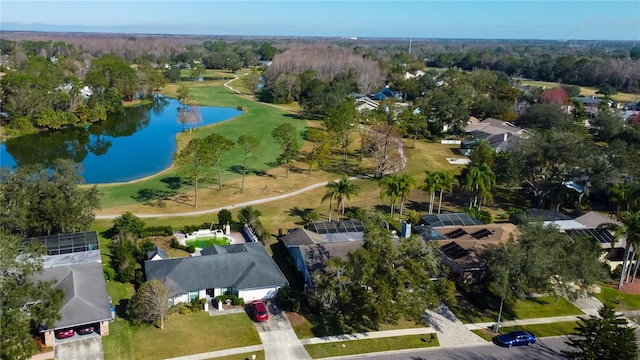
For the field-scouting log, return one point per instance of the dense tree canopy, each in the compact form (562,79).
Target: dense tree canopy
(381,282)
(24,304)
(543,260)
(36,202)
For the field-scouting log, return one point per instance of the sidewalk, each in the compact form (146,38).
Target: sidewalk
(368,335)
(220,353)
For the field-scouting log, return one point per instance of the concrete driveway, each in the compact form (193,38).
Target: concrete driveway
(89,348)
(278,338)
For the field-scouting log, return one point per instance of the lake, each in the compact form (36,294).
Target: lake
(127,146)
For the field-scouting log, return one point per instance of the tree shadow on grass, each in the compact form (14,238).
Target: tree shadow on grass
(417,205)
(348,168)
(173,182)
(237,169)
(154,197)
(293,116)
(121,308)
(262,173)
(305,215)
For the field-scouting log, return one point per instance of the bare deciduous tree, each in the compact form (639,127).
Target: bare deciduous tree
(151,302)
(328,61)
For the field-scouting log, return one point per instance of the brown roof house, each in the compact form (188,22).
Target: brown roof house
(499,134)
(461,247)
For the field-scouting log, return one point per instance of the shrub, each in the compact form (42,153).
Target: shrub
(192,228)
(184,310)
(176,245)
(157,231)
(235,300)
(128,223)
(413,218)
(224,217)
(615,273)
(109,273)
(288,299)
(483,215)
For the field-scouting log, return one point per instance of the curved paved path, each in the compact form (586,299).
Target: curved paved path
(238,205)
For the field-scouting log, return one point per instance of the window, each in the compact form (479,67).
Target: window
(193,295)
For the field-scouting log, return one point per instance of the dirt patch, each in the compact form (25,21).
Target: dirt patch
(295,318)
(164,243)
(631,289)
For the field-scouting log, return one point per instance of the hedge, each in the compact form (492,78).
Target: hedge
(157,231)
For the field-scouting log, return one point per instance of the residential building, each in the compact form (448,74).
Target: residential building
(73,263)
(462,247)
(499,134)
(311,248)
(245,270)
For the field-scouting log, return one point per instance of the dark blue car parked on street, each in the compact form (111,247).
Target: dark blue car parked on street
(516,338)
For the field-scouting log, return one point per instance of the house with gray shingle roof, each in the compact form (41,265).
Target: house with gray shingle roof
(86,302)
(245,270)
(157,254)
(311,248)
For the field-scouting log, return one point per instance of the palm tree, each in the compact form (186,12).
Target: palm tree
(445,182)
(330,194)
(479,179)
(344,189)
(430,185)
(626,195)
(390,184)
(405,185)
(630,229)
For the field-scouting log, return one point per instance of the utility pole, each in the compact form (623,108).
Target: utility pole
(499,314)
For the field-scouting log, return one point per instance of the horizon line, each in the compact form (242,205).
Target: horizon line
(343,37)
(113,29)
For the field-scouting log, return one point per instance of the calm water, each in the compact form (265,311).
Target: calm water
(128,146)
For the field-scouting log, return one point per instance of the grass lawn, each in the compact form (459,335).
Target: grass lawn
(486,334)
(287,213)
(183,334)
(119,291)
(622,301)
(586,91)
(257,119)
(307,326)
(482,307)
(246,356)
(546,306)
(343,348)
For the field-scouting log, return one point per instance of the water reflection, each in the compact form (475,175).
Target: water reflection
(135,143)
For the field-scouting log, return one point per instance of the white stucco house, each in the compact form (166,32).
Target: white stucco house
(245,270)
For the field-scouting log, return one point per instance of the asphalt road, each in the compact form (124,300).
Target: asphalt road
(546,349)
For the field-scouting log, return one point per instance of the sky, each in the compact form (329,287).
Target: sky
(471,19)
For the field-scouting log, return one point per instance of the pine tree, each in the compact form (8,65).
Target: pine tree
(607,337)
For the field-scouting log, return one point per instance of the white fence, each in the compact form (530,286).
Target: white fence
(450,142)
